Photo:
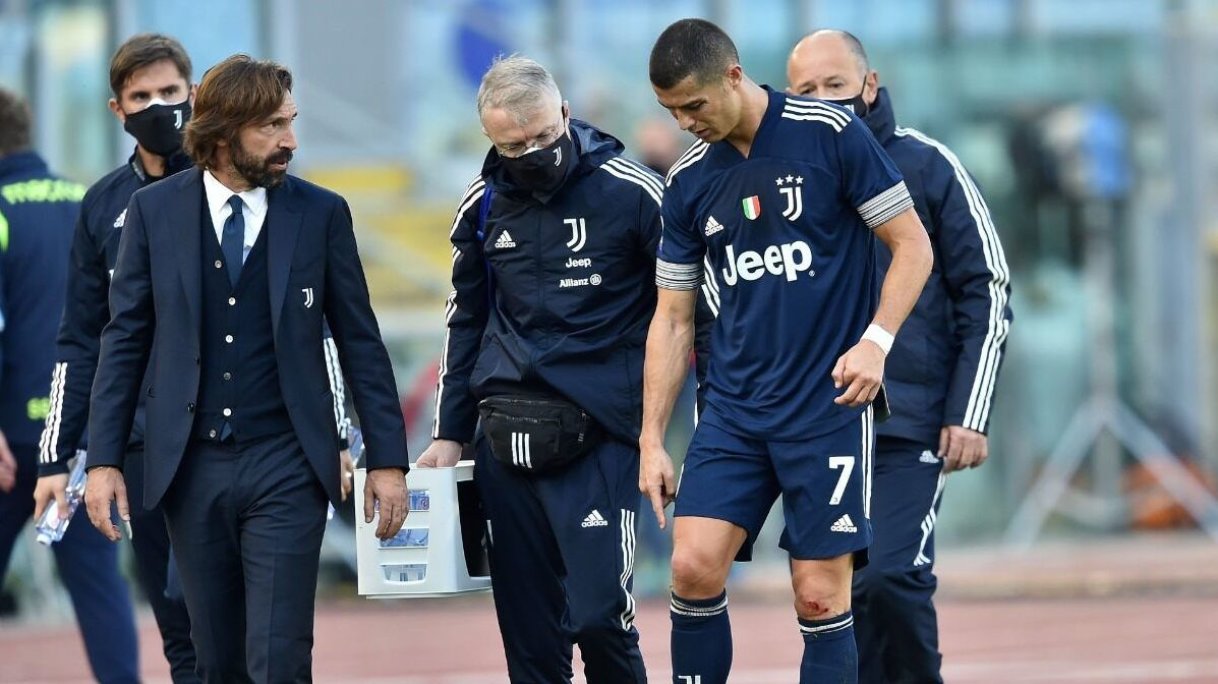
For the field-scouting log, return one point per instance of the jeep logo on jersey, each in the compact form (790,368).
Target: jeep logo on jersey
(792,188)
(579,263)
(579,233)
(789,259)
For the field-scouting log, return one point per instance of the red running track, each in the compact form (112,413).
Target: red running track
(1121,639)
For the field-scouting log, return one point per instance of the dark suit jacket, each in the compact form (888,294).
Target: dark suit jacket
(156,310)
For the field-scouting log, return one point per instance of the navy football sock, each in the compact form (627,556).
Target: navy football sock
(830,654)
(701,640)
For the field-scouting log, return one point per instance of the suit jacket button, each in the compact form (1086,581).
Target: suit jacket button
(190,408)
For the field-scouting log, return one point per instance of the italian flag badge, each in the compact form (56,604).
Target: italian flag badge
(752,207)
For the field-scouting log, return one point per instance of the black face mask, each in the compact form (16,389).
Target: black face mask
(855,104)
(158,127)
(542,170)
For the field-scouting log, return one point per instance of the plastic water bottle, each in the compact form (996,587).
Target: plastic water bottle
(51,527)
(355,442)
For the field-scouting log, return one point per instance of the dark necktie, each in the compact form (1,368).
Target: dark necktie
(232,242)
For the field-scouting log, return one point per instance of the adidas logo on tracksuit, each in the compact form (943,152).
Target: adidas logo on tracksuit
(844,524)
(712,226)
(505,241)
(595,519)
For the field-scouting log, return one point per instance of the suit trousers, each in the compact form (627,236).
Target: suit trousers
(153,560)
(246,521)
(88,566)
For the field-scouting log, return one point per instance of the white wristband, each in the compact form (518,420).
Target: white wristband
(880,336)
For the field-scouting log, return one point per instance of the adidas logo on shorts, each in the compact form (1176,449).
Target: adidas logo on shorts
(712,226)
(594,519)
(505,241)
(844,524)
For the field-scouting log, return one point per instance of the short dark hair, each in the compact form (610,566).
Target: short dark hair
(691,47)
(14,123)
(237,92)
(144,50)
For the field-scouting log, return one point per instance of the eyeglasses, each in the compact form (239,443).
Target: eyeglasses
(542,141)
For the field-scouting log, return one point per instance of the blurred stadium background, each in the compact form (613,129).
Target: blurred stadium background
(1091,125)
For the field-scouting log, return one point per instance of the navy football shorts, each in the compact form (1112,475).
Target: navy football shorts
(825,483)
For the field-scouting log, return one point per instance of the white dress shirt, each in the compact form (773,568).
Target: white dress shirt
(253,203)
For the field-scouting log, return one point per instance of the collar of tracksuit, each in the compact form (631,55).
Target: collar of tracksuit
(880,118)
(173,164)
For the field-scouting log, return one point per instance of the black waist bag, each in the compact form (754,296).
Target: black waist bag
(536,434)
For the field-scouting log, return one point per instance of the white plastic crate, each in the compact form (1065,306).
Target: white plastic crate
(427,557)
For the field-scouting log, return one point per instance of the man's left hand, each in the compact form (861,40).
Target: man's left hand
(860,371)
(346,473)
(104,487)
(387,487)
(961,448)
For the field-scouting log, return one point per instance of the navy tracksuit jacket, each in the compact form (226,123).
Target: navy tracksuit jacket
(942,371)
(944,365)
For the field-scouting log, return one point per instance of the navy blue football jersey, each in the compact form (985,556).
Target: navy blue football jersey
(782,243)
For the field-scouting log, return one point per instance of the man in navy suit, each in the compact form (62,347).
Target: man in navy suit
(224,275)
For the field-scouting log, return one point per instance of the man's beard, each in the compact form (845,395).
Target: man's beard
(257,171)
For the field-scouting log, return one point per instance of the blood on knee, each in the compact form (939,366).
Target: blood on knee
(813,608)
(817,603)
(822,588)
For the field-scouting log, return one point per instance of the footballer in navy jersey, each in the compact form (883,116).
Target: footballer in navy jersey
(775,213)
(787,266)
